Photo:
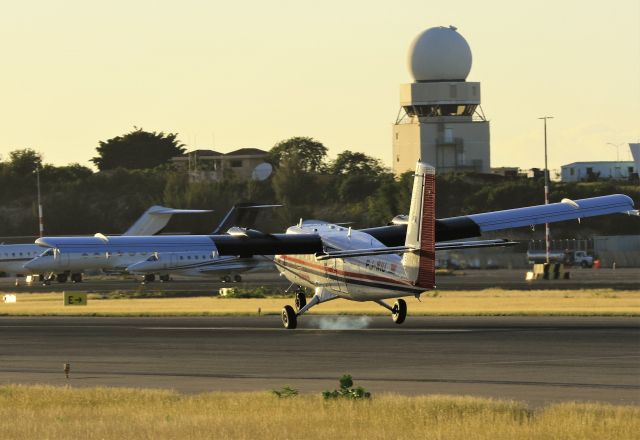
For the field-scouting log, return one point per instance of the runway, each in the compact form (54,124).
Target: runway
(535,359)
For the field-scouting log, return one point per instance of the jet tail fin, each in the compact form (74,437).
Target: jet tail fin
(156,218)
(420,264)
(241,215)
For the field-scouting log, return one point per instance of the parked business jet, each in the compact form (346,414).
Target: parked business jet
(194,264)
(192,255)
(13,257)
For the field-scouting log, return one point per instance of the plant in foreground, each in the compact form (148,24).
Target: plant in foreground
(345,391)
(285,392)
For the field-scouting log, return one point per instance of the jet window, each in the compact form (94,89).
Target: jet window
(47,253)
(152,258)
(181,257)
(196,257)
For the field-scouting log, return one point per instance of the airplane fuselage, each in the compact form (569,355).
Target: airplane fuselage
(363,278)
(199,265)
(14,256)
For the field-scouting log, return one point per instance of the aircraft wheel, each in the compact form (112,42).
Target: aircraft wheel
(61,278)
(399,313)
(226,279)
(165,278)
(300,301)
(149,278)
(76,277)
(237,278)
(289,318)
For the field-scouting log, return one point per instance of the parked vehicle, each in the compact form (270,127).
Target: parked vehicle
(572,258)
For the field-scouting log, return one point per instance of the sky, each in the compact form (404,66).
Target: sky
(227,75)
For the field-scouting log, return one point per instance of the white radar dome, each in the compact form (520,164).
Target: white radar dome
(439,54)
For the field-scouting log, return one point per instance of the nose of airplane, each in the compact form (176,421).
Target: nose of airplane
(32,265)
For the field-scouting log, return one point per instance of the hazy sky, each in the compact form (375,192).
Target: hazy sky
(227,74)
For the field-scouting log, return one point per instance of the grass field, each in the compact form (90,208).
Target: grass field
(39,412)
(486,302)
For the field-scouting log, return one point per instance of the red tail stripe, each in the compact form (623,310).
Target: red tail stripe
(427,267)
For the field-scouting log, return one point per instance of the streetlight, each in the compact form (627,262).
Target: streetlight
(40,220)
(546,184)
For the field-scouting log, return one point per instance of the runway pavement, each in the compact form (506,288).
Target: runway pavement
(536,359)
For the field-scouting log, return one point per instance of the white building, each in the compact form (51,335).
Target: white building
(440,120)
(586,171)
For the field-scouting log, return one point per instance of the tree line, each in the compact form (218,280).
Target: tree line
(135,172)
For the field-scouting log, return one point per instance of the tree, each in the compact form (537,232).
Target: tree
(305,153)
(138,149)
(24,162)
(351,162)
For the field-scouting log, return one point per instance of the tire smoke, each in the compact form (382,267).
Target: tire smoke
(343,322)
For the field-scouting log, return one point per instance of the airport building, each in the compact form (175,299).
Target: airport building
(598,170)
(440,119)
(209,165)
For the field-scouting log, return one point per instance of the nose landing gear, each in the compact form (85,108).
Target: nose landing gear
(290,316)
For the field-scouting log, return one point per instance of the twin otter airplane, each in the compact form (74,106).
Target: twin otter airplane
(360,266)
(371,264)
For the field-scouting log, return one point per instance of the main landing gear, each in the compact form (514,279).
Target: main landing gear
(398,311)
(290,316)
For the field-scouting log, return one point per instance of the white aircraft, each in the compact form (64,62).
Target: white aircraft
(371,264)
(194,264)
(150,255)
(355,265)
(14,257)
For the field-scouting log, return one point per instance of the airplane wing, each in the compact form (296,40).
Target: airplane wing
(554,212)
(469,226)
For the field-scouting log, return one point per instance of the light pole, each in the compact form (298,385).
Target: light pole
(40,219)
(546,185)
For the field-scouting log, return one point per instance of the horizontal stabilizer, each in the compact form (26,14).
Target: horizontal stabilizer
(473,244)
(364,252)
(404,249)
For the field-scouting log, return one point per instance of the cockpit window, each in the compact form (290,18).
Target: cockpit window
(47,253)
(152,258)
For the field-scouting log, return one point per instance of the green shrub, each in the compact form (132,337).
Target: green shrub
(345,391)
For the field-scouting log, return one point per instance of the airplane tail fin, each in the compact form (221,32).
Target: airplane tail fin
(421,235)
(154,219)
(242,215)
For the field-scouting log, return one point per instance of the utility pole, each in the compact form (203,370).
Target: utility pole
(546,184)
(40,219)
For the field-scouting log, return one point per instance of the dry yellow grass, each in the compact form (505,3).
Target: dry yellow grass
(39,412)
(486,302)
